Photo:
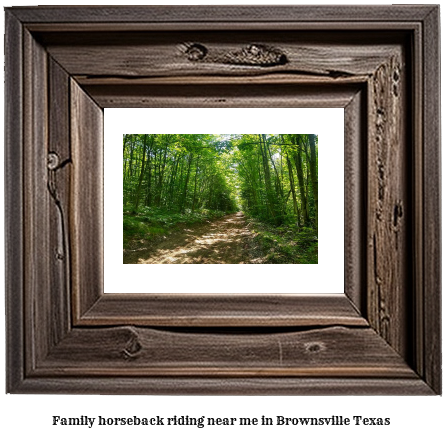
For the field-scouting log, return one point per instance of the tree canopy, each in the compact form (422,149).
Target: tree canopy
(272,177)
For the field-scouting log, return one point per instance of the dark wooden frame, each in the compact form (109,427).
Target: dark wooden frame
(64,65)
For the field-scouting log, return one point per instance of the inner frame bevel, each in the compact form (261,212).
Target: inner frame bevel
(231,310)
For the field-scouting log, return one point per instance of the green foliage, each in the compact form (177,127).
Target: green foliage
(177,172)
(284,245)
(277,176)
(172,179)
(135,228)
(150,223)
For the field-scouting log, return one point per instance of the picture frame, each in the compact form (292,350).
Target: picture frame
(65,64)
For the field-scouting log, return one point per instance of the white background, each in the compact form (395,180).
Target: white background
(30,415)
(325,277)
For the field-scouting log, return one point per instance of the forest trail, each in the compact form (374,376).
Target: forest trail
(221,241)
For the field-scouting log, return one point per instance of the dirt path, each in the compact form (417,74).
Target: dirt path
(221,241)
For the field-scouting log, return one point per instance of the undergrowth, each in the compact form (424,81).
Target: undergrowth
(150,223)
(283,245)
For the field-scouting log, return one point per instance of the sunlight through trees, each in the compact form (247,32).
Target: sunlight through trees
(272,178)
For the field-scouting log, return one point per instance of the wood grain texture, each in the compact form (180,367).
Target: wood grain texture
(288,386)
(232,26)
(59,181)
(129,351)
(14,239)
(355,195)
(226,96)
(417,203)
(47,306)
(38,304)
(224,14)
(265,79)
(55,84)
(388,204)
(170,54)
(431,318)
(234,310)
(86,209)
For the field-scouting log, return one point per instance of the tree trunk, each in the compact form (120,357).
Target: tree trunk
(185,190)
(301,183)
(267,175)
(294,196)
(313,172)
(140,180)
(195,183)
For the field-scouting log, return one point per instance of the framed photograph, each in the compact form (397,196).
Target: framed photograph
(246,243)
(65,334)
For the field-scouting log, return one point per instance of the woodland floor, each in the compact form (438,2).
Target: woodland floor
(221,241)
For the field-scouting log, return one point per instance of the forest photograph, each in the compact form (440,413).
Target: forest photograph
(220,198)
